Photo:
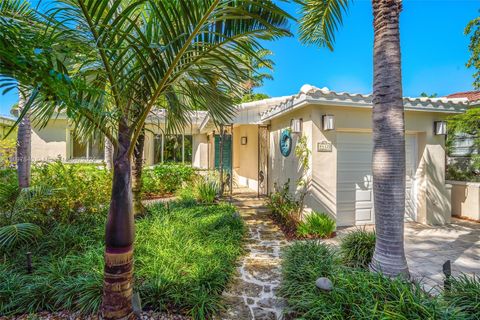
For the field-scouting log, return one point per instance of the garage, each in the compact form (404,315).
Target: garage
(354,178)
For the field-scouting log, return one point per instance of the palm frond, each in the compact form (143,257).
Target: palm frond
(320,19)
(16,234)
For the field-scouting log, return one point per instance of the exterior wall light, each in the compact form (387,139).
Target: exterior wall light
(243,141)
(440,128)
(296,125)
(328,121)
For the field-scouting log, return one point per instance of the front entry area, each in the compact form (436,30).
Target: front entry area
(354,178)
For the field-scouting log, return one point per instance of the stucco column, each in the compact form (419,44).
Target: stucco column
(434,206)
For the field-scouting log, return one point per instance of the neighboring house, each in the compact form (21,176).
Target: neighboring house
(338,129)
(6,123)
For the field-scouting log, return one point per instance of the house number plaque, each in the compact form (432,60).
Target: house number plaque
(324,146)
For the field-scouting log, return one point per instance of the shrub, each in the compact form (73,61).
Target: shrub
(77,192)
(356,294)
(165,179)
(356,248)
(316,224)
(207,189)
(283,204)
(7,153)
(464,294)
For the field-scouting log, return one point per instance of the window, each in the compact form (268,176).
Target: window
(172,148)
(94,148)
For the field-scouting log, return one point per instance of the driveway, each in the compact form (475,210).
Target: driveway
(428,247)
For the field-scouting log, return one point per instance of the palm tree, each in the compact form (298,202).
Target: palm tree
(24,146)
(123,57)
(320,19)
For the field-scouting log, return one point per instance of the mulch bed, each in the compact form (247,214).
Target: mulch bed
(290,231)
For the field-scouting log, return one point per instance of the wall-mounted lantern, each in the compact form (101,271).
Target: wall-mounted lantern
(328,122)
(296,125)
(243,141)
(440,128)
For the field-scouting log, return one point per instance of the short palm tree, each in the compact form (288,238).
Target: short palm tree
(320,19)
(124,57)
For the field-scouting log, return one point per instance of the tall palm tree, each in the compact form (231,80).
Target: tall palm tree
(122,57)
(318,24)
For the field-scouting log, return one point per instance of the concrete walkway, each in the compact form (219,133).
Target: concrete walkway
(428,247)
(251,295)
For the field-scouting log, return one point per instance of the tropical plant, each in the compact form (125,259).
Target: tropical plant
(126,58)
(356,248)
(207,189)
(356,294)
(316,224)
(20,233)
(283,203)
(318,23)
(186,274)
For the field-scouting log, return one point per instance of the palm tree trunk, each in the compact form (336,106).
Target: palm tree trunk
(138,207)
(108,154)
(119,236)
(221,144)
(24,141)
(388,141)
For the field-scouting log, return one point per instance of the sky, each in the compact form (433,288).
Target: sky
(434,52)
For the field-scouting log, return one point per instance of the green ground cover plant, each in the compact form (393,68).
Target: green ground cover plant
(361,294)
(356,248)
(317,224)
(185,255)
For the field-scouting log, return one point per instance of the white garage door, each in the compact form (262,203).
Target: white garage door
(354,179)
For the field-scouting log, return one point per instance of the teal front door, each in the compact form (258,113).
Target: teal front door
(227,153)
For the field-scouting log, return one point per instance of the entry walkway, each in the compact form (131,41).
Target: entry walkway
(251,294)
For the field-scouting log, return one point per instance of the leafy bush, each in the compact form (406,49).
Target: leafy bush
(7,153)
(165,179)
(283,204)
(356,294)
(316,224)
(207,189)
(186,273)
(356,248)
(77,192)
(464,294)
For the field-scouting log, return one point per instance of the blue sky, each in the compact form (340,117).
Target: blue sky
(434,52)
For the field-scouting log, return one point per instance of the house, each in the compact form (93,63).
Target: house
(261,137)
(6,123)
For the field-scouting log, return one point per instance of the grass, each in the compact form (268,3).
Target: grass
(357,248)
(317,224)
(184,257)
(356,294)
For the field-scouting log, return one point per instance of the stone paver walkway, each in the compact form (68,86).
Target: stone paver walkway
(428,247)
(251,294)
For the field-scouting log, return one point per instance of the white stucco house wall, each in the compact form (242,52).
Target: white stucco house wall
(340,162)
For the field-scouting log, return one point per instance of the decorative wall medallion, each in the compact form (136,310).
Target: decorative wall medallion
(285,143)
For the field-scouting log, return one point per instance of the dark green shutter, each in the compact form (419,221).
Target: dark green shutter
(227,153)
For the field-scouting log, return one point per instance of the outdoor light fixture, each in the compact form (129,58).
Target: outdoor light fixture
(296,125)
(440,128)
(243,141)
(328,121)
